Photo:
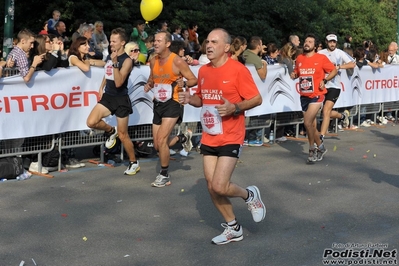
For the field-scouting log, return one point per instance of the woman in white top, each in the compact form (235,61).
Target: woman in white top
(77,55)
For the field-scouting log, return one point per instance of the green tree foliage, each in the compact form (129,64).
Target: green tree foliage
(274,21)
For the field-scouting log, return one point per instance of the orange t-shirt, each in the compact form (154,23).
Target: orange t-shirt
(311,71)
(164,74)
(234,82)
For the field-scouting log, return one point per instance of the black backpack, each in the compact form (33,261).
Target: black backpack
(11,167)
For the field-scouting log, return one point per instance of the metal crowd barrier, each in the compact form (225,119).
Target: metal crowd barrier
(391,107)
(374,109)
(8,72)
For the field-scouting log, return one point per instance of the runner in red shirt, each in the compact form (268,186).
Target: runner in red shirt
(225,90)
(311,69)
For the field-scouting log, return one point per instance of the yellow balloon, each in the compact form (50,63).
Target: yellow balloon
(150,9)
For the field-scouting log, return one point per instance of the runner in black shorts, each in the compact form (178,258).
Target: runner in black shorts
(229,150)
(115,99)
(341,60)
(170,108)
(165,81)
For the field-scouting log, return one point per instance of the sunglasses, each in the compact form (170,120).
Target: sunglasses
(135,50)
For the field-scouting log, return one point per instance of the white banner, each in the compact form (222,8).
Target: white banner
(60,100)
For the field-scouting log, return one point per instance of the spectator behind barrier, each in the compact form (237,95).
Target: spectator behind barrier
(100,40)
(133,51)
(19,55)
(77,55)
(87,31)
(54,54)
(51,28)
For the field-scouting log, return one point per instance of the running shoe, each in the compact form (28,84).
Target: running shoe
(312,155)
(111,140)
(229,235)
(320,152)
(161,181)
(73,163)
(255,143)
(256,206)
(188,145)
(345,120)
(132,169)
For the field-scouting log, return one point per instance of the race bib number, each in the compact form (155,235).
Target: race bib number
(162,92)
(306,84)
(109,70)
(211,121)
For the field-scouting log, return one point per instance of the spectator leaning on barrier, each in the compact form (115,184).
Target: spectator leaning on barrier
(77,55)
(19,54)
(251,56)
(115,100)
(272,54)
(54,55)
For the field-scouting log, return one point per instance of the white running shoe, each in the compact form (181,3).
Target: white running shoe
(132,169)
(188,145)
(229,235)
(256,206)
(161,181)
(111,140)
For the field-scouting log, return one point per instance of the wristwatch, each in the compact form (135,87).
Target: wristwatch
(237,111)
(325,81)
(116,65)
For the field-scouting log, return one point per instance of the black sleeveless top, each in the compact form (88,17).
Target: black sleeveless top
(110,87)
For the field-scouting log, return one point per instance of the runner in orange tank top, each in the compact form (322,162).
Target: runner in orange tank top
(165,81)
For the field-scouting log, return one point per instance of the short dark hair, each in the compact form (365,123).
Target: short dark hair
(254,42)
(121,32)
(192,24)
(176,46)
(139,22)
(160,24)
(316,40)
(25,34)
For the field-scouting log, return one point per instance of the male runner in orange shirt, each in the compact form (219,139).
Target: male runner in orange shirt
(311,69)
(225,90)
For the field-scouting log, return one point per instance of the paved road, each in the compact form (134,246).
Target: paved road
(350,197)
